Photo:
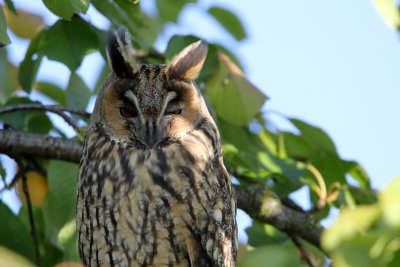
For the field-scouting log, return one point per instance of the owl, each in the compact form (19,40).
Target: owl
(152,188)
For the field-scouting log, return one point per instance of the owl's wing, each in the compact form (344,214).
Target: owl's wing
(220,242)
(197,255)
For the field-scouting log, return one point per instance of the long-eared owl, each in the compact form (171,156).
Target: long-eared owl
(152,186)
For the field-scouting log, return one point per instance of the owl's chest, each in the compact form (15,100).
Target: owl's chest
(147,209)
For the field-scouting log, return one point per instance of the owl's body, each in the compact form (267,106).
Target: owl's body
(152,189)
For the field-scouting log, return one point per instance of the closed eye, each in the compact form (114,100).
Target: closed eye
(176,111)
(127,112)
(173,108)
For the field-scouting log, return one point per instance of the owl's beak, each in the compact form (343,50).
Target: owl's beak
(151,136)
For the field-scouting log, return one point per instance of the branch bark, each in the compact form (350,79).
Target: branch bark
(256,200)
(17,144)
(262,204)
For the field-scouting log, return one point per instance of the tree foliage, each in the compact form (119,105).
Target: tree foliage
(255,151)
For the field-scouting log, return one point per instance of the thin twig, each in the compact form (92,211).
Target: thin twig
(304,253)
(50,108)
(59,110)
(10,185)
(30,213)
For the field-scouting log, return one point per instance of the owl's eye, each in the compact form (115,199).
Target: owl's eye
(127,112)
(173,111)
(173,108)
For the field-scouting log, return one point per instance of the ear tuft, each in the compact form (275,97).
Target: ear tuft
(120,53)
(188,63)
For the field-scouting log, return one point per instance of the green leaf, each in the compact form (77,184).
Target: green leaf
(24,24)
(4,39)
(356,252)
(69,41)
(169,10)
(10,6)
(389,12)
(314,136)
(68,239)
(359,174)
(286,173)
(270,141)
(13,233)
(146,29)
(59,206)
(10,258)
(362,196)
(314,146)
(244,146)
(30,65)
(52,91)
(395,261)
(229,21)
(19,120)
(234,98)
(8,77)
(117,15)
(67,8)
(261,234)
(38,123)
(271,256)
(27,120)
(390,201)
(3,173)
(332,168)
(349,224)
(125,13)
(23,216)
(78,94)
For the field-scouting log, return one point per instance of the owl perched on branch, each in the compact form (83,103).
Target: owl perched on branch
(153,189)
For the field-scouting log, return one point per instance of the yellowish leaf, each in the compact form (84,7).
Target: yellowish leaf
(25,24)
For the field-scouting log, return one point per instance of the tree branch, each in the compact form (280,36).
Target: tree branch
(17,144)
(262,204)
(305,255)
(256,200)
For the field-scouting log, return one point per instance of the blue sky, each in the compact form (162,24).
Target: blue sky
(334,64)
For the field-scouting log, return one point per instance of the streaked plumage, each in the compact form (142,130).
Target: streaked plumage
(152,188)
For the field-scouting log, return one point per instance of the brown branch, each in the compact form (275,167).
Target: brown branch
(258,201)
(305,255)
(262,204)
(17,144)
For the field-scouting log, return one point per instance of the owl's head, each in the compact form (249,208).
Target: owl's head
(148,105)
